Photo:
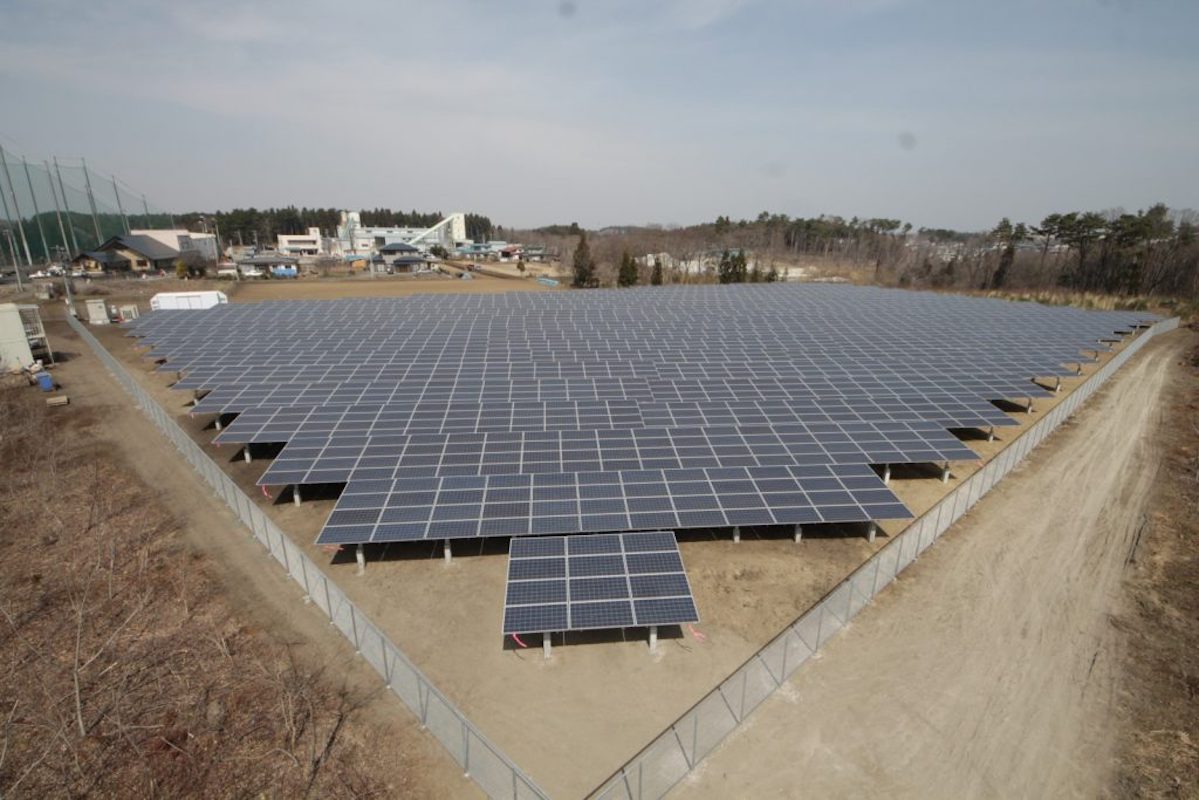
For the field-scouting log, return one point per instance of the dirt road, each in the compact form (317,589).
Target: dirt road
(990,669)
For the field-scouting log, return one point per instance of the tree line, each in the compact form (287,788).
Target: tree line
(1151,251)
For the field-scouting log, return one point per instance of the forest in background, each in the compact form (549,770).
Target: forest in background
(1149,252)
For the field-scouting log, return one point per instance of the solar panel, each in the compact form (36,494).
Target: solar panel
(566,583)
(582,412)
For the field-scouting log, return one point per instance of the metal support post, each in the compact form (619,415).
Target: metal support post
(62,190)
(653,638)
(360,555)
(37,212)
(91,201)
(16,210)
(120,208)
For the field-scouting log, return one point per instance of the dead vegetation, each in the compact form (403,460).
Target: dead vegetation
(124,669)
(1160,753)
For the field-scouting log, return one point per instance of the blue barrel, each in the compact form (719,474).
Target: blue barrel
(45,381)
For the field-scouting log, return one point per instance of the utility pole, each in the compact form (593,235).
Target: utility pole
(37,214)
(16,207)
(62,189)
(120,208)
(91,201)
(62,233)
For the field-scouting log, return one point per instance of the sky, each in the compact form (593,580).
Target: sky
(946,113)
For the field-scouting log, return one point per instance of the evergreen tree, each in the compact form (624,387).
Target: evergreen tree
(739,268)
(583,264)
(725,272)
(655,277)
(627,276)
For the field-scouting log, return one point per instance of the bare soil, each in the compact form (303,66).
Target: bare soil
(382,286)
(997,665)
(603,700)
(219,576)
(1158,750)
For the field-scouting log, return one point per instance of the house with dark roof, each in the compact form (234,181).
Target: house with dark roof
(129,253)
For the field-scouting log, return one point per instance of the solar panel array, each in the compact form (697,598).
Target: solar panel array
(570,583)
(566,412)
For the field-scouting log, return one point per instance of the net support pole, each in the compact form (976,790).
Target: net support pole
(62,190)
(37,212)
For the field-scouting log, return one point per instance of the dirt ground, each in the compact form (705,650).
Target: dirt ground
(992,667)
(383,286)
(252,581)
(606,700)
(1158,753)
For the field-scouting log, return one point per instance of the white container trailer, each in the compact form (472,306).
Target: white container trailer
(187,301)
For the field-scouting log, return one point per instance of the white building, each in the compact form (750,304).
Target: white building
(183,240)
(301,244)
(353,237)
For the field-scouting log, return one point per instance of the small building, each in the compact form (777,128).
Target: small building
(394,250)
(202,246)
(129,253)
(303,244)
(22,337)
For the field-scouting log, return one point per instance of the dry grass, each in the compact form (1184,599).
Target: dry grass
(124,670)
(1160,753)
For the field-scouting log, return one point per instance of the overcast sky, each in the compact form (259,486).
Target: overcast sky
(607,112)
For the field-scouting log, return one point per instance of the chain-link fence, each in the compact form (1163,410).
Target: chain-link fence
(677,750)
(481,760)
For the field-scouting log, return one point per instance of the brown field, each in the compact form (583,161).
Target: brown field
(147,649)
(447,617)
